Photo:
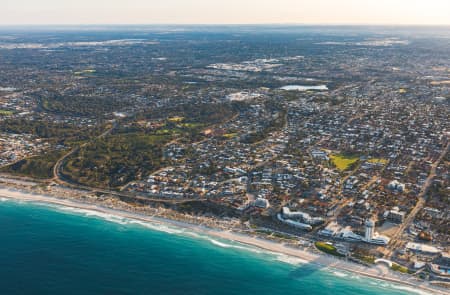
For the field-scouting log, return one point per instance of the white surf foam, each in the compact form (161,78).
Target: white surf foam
(390,285)
(340,274)
(290,259)
(409,289)
(227,245)
(93,213)
(220,244)
(157,227)
(123,220)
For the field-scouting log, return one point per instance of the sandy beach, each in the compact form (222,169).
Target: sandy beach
(321,260)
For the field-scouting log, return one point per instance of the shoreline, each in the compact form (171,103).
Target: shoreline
(321,260)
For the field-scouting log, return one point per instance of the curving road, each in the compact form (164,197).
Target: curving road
(59,178)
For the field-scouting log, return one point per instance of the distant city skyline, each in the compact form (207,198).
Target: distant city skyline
(373,12)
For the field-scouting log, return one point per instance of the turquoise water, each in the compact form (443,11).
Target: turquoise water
(50,250)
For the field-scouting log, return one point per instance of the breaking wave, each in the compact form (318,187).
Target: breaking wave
(290,259)
(233,246)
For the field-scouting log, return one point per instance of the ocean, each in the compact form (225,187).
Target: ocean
(46,249)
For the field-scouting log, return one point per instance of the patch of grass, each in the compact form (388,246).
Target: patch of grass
(327,248)
(168,131)
(283,236)
(399,268)
(6,113)
(230,135)
(343,162)
(192,125)
(176,119)
(380,161)
(368,259)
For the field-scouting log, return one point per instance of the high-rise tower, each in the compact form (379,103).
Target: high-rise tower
(370,226)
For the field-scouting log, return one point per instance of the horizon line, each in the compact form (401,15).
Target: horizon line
(228,24)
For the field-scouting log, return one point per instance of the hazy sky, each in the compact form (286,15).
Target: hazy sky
(435,12)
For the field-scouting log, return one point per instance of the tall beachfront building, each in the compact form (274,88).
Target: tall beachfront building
(370,226)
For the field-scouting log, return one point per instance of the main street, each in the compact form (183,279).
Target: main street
(422,199)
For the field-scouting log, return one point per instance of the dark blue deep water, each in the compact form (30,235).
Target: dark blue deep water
(50,250)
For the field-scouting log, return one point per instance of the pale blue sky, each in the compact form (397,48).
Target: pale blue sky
(434,12)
